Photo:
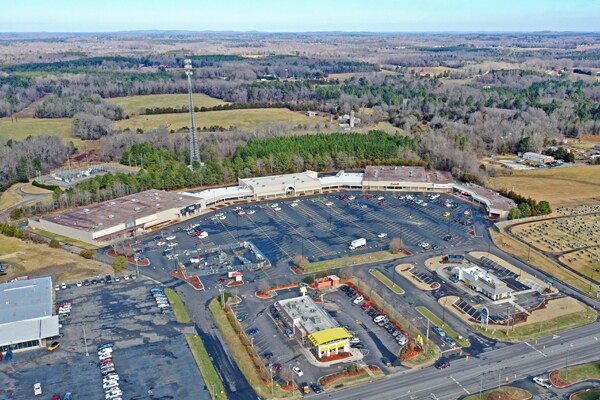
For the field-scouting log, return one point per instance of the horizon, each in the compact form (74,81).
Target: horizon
(269,16)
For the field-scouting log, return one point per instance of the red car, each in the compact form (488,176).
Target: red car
(108,360)
(56,397)
(365,306)
(442,364)
(222,280)
(368,196)
(381,203)
(277,367)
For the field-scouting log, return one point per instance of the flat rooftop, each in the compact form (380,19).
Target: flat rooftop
(496,200)
(123,210)
(406,174)
(307,177)
(25,300)
(310,315)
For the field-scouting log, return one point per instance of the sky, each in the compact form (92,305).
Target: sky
(299,15)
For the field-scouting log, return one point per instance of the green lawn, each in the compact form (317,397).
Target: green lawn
(504,393)
(545,328)
(227,118)
(386,281)
(592,394)
(179,309)
(209,373)
(132,104)
(24,127)
(579,373)
(424,311)
(350,261)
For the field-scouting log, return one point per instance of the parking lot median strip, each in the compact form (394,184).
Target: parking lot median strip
(386,281)
(242,358)
(181,312)
(209,373)
(350,261)
(424,311)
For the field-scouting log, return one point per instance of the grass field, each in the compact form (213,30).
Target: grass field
(434,319)
(352,260)
(590,394)
(65,239)
(24,127)
(181,313)
(386,281)
(241,355)
(10,197)
(502,393)
(37,260)
(567,186)
(580,373)
(509,244)
(132,104)
(228,118)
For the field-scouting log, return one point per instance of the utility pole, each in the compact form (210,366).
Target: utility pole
(507,319)
(85,342)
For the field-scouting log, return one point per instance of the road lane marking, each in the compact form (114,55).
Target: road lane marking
(539,351)
(459,384)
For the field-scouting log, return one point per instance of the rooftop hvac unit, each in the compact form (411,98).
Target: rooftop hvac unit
(111,216)
(137,209)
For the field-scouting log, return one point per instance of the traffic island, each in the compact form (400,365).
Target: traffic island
(387,281)
(588,394)
(502,393)
(350,261)
(351,376)
(194,280)
(407,271)
(564,377)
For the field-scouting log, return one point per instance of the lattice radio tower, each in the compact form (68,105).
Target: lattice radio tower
(194,146)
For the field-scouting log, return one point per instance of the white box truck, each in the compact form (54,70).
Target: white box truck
(356,243)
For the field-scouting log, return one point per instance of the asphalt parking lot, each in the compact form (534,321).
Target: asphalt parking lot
(322,227)
(150,354)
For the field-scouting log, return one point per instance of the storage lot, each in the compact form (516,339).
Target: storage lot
(320,231)
(150,354)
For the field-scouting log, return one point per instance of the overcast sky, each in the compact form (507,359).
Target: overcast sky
(299,15)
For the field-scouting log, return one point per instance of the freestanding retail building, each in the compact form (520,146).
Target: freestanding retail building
(26,319)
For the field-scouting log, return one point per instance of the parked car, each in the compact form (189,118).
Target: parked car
(252,331)
(304,388)
(37,389)
(54,346)
(316,388)
(172,237)
(357,345)
(365,306)
(277,367)
(382,235)
(297,371)
(56,397)
(268,354)
(358,300)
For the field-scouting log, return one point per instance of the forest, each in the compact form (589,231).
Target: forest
(450,99)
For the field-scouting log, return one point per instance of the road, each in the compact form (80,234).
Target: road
(464,377)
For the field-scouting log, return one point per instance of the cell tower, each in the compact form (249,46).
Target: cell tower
(194,146)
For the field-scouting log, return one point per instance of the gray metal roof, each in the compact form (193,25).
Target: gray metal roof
(24,300)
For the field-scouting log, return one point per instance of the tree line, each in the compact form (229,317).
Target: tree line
(526,206)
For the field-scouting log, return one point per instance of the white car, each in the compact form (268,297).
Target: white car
(294,205)
(37,389)
(63,285)
(79,284)
(277,209)
(161,243)
(382,235)
(126,277)
(250,212)
(298,371)
(379,318)
(401,339)
(172,244)
(354,340)
(57,287)
(380,198)
(202,235)
(114,395)
(358,300)
(274,205)
(542,382)
(223,217)
(110,385)
(351,198)
(329,203)
(172,237)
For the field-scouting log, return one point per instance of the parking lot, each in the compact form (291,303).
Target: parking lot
(322,227)
(150,354)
